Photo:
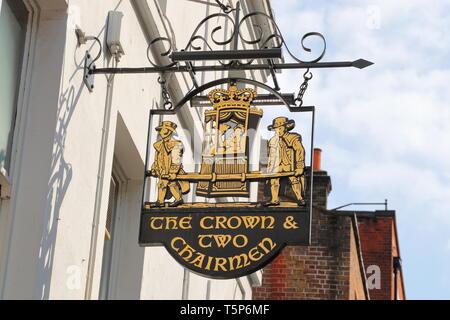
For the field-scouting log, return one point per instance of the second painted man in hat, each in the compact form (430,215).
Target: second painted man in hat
(286,154)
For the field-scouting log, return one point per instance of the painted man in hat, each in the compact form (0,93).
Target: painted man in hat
(286,154)
(167,165)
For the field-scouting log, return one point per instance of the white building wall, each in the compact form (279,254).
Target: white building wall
(67,142)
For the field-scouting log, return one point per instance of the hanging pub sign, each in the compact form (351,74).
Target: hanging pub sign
(219,236)
(223,231)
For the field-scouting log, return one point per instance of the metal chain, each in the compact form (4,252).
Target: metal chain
(303,87)
(165,93)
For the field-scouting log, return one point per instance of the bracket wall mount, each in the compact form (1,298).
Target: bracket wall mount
(89,67)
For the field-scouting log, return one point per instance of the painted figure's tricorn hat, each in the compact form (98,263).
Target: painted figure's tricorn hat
(167,125)
(282,121)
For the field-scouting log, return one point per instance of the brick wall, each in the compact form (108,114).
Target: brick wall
(376,246)
(343,246)
(319,271)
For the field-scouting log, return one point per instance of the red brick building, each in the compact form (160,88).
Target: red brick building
(353,255)
(379,244)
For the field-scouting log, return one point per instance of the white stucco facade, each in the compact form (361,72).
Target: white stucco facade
(68,142)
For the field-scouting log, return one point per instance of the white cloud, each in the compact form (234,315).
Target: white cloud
(383,129)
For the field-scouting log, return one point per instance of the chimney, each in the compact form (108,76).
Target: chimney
(317,159)
(322,182)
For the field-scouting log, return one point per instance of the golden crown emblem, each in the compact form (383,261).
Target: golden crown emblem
(231,97)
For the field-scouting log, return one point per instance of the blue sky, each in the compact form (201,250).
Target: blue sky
(384,130)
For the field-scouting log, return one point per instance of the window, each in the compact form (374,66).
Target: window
(109,237)
(13,25)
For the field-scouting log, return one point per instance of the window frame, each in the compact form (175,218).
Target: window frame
(119,178)
(106,278)
(18,120)
(7,177)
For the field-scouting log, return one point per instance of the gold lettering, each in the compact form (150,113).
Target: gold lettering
(244,241)
(152,223)
(172,243)
(202,224)
(198,261)
(290,223)
(251,222)
(208,264)
(220,264)
(185,223)
(200,240)
(187,249)
(237,225)
(271,222)
(238,259)
(252,254)
(222,239)
(171,221)
(271,244)
(220,221)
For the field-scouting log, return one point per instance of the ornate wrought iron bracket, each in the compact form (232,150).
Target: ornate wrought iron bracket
(228,135)
(264,56)
(359,64)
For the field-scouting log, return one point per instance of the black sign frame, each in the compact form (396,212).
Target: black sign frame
(291,225)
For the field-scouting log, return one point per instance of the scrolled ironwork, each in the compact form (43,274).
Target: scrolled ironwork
(236,29)
(263,41)
(92,62)
(311,34)
(194,37)
(259,34)
(162,54)
(213,33)
(198,37)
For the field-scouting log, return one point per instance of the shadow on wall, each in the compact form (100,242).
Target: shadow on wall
(61,175)
(61,171)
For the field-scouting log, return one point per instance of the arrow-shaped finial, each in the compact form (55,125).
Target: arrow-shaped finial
(361,63)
